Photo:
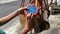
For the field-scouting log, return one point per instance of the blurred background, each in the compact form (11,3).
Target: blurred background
(14,26)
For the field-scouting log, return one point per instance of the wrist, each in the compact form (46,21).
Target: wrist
(17,12)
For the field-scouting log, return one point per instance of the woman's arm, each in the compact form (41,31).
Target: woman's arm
(10,16)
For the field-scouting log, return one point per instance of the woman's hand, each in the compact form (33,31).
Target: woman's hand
(21,9)
(28,15)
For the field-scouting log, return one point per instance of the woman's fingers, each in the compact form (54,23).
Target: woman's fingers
(28,15)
